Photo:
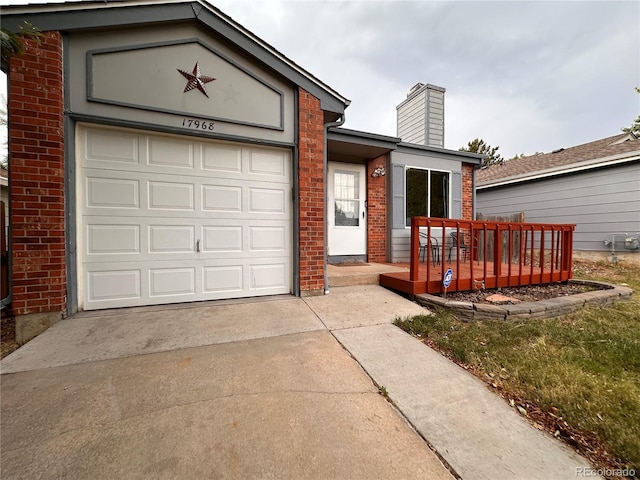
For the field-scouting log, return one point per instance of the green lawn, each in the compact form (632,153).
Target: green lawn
(578,376)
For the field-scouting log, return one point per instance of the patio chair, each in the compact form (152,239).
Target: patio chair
(429,243)
(465,245)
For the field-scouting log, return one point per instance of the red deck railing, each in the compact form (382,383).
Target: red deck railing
(483,254)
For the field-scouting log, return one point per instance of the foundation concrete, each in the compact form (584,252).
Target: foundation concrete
(31,325)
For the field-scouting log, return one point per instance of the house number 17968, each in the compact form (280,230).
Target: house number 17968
(197,124)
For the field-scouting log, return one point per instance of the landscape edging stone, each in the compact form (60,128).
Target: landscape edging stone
(550,308)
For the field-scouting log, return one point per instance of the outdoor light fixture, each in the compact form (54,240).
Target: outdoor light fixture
(379,172)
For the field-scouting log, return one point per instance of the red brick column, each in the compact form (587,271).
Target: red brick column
(467,191)
(36,172)
(376,211)
(311,193)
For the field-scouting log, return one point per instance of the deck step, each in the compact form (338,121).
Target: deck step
(358,274)
(354,279)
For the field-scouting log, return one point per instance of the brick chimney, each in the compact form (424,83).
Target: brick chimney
(421,116)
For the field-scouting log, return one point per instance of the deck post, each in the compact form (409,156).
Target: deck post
(415,248)
(567,249)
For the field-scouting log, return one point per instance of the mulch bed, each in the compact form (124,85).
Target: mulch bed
(529,293)
(7,333)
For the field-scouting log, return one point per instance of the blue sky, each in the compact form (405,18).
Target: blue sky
(524,76)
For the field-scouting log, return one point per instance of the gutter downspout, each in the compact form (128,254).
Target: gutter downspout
(326,175)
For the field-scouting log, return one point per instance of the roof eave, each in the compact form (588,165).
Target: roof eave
(358,135)
(563,170)
(473,158)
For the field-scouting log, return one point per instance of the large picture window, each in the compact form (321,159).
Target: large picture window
(427,194)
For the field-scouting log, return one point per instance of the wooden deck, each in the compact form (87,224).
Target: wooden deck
(528,253)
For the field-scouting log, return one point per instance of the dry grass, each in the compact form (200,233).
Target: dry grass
(577,376)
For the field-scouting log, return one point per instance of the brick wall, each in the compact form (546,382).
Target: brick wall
(311,193)
(467,191)
(36,156)
(376,212)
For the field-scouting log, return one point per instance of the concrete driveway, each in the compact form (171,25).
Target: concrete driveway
(252,389)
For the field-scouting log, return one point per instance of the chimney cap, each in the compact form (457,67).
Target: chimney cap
(419,87)
(415,88)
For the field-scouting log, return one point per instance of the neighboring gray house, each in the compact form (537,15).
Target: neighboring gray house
(595,185)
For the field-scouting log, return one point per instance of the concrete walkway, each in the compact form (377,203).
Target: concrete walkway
(258,389)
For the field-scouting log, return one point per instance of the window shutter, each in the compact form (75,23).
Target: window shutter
(456,195)
(397,196)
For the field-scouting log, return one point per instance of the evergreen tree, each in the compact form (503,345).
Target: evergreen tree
(12,46)
(479,146)
(635,126)
(11,42)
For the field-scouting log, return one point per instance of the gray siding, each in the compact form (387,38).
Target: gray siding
(600,202)
(400,235)
(412,120)
(397,196)
(435,118)
(421,118)
(400,245)
(97,59)
(456,195)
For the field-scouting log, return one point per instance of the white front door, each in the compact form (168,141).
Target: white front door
(347,209)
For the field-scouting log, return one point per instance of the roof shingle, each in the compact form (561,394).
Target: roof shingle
(560,160)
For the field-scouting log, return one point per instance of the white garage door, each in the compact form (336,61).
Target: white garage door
(167,219)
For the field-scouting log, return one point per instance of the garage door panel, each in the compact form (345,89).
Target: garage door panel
(223,279)
(170,153)
(172,281)
(268,276)
(222,198)
(267,239)
(112,193)
(186,221)
(111,148)
(172,239)
(116,193)
(171,196)
(271,163)
(113,239)
(222,158)
(160,239)
(222,239)
(219,239)
(113,286)
(174,155)
(267,200)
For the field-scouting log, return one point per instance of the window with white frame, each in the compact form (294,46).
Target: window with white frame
(347,199)
(426,194)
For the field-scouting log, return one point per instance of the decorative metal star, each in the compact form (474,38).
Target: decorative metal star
(196,80)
